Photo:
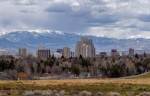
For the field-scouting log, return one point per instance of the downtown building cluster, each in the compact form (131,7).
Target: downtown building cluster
(84,47)
(83,62)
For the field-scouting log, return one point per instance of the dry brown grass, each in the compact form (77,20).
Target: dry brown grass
(142,81)
(123,86)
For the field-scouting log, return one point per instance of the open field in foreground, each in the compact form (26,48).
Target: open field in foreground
(123,86)
(142,81)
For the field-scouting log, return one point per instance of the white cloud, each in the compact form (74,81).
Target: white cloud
(109,18)
(118,33)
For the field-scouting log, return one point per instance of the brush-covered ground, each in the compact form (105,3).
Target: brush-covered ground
(125,86)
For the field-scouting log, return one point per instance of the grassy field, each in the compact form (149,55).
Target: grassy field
(123,86)
(138,80)
(128,85)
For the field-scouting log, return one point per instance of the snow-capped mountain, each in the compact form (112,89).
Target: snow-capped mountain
(55,39)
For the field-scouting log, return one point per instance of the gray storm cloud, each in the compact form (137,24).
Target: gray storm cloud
(109,18)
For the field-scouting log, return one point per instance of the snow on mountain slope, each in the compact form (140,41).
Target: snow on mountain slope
(55,39)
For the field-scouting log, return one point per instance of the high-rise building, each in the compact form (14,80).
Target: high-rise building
(22,52)
(43,53)
(66,52)
(85,47)
(131,52)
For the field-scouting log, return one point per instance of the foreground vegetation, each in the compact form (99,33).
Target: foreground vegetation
(126,87)
(101,66)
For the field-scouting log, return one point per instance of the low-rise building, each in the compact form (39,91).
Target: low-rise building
(43,53)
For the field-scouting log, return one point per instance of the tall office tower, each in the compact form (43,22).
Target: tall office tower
(131,52)
(66,52)
(43,53)
(22,52)
(85,47)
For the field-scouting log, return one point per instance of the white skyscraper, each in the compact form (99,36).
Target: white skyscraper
(85,47)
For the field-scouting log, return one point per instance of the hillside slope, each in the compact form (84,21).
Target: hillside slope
(140,76)
(54,40)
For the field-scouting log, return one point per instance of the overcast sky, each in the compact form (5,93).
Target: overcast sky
(108,18)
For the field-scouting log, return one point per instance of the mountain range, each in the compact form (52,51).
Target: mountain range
(55,40)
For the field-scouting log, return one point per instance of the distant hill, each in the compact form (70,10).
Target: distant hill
(54,40)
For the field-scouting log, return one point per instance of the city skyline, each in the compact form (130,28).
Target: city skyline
(84,47)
